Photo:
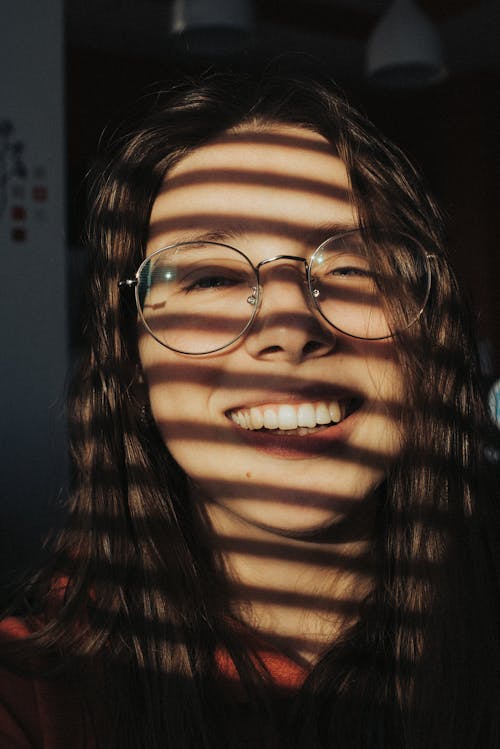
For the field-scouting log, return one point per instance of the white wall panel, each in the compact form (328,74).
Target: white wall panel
(33,317)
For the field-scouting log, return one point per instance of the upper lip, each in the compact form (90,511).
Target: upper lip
(303,395)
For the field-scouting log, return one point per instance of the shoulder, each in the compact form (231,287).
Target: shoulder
(12,628)
(37,711)
(19,716)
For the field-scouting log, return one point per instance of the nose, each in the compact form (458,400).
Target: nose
(285,327)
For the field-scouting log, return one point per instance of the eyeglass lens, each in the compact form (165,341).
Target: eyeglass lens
(198,297)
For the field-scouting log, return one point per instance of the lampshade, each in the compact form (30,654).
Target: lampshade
(194,15)
(404,50)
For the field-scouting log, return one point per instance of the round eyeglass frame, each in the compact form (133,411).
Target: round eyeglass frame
(257,291)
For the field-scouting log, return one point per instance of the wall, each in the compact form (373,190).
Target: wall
(33,282)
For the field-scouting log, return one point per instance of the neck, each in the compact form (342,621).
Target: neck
(300,593)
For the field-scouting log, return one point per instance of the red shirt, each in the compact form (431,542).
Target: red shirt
(37,713)
(42,714)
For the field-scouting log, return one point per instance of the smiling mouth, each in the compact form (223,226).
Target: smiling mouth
(294,419)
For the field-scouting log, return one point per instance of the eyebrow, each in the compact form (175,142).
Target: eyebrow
(236,230)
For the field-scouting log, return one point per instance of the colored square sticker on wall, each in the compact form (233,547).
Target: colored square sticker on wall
(18,213)
(39,193)
(18,234)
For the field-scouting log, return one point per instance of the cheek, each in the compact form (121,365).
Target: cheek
(386,411)
(179,393)
(385,397)
(383,374)
(179,409)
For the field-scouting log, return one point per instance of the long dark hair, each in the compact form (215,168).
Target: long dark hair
(141,594)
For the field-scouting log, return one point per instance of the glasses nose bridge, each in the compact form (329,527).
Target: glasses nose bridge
(274,258)
(305,281)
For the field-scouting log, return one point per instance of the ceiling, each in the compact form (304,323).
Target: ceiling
(334,31)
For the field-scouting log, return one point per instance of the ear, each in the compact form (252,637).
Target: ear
(139,396)
(138,388)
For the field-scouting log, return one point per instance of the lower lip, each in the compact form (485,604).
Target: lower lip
(293,446)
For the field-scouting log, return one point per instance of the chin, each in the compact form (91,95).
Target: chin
(304,523)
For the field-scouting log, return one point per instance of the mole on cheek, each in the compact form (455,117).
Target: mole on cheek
(248,474)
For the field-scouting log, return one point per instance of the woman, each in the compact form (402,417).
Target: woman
(282,531)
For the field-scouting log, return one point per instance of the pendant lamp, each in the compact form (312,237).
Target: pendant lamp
(404,50)
(194,15)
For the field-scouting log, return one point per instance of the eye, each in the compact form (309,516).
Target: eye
(333,264)
(205,279)
(348,271)
(211,282)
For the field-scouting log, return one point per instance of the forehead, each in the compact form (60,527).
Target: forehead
(283,181)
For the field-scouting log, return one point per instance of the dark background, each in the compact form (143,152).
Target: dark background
(119,49)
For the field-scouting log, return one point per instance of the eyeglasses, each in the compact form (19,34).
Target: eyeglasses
(201,297)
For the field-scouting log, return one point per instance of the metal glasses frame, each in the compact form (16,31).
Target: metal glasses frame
(257,291)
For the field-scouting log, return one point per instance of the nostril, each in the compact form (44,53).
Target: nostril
(272,349)
(312,346)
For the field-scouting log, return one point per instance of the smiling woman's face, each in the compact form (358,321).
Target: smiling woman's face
(278,191)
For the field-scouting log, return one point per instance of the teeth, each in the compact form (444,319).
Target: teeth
(270,419)
(306,415)
(287,417)
(256,418)
(335,411)
(325,416)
